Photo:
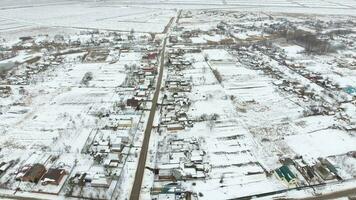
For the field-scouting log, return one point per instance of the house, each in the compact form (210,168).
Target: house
(79,178)
(141,93)
(53,176)
(305,170)
(113,160)
(284,174)
(125,123)
(116,145)
(152,55)
(4,166)
(100,181)
(174,127)
(196,156)
(34,173)
(323,172)
(173,39)
(165,174)
(132,102)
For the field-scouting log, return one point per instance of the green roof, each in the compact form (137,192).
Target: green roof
(284,172)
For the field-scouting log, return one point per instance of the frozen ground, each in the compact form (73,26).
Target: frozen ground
(143,16)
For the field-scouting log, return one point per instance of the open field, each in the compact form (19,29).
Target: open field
(143,16)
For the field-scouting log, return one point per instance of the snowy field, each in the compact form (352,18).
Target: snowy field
(143,16)
(85,16)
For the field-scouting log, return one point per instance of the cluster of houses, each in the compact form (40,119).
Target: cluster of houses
(178,160)
(105,153)
(303,91)
(279,55)
(175,103)
(174,116)
(177,61)
(38,173)
(141,79)
(320,171)
(108,148)
(21,73)
(181,159)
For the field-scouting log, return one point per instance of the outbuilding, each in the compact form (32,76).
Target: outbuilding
(35,173)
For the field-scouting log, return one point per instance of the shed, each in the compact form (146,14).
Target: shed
(35,173)
(175,127)
(100,181)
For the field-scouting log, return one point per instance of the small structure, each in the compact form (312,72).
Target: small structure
(53,176)
(350,90)
(4,166)
(175,127)
(284,174)
(100,180)
(132,102)
(125,123)
(165,174)
(323,172)
(35,173)
(152,55)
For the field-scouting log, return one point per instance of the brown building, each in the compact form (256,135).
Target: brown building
(35,173)
(53,176)
(132,102)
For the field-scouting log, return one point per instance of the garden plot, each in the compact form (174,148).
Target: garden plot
(197,70)
(65,119)
(234,187)
(208,38)
(346,166)
(206,95)
(314,123)
(322,143)
(326,66)
(256,97)
(217,55)
(342,76)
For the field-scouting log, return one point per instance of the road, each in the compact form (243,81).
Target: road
(136,188)
(333,195)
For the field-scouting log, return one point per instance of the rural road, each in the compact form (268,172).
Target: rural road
(136,188)
(333,195)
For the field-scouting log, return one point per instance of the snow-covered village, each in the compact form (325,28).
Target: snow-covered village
(177,99)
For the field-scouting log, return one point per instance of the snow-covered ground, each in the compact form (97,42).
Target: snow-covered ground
(258,123)
(244,100)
